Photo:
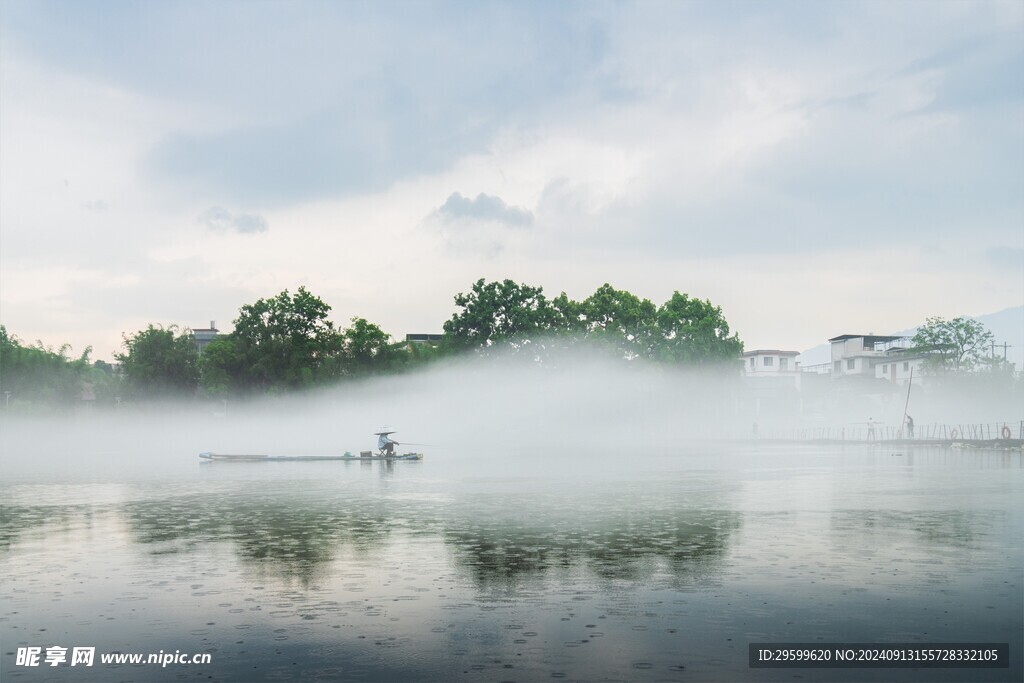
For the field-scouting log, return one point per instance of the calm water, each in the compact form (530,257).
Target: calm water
(534,566)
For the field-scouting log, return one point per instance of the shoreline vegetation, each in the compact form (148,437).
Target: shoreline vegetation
(287,343)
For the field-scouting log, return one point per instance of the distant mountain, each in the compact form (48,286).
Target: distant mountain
(1006,326)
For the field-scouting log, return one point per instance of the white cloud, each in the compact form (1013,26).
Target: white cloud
(656,146)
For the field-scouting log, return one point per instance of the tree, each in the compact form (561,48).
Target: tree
(695,331)
(366,347)
(106,384)
(220,368)
(285,342)
(620,319)
(683,330)
(36,375)
(160,363)
(956,345)
(568,315)
(504,313)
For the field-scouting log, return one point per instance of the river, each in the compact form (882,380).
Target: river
(518,566)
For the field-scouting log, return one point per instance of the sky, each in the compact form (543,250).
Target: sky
(813,168)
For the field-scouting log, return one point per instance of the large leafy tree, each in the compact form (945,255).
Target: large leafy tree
(682,330)
(569,316)
(285,341)
(160,362)
(366,347)
(504,313)
(622,320)
(696,332)
(955,345)
(220,366)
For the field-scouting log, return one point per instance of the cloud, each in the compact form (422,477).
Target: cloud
(219,219)
(485,208)
(607,136)
(484,227)
(305,106)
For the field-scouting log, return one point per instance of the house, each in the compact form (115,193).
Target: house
(773,382)
(423,338)
(205,335)
(876,357)
(901,365)
(857,354)
(772,368)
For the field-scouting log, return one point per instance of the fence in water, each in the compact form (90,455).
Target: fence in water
(964,431)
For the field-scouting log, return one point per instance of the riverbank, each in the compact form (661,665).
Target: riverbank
(986,444)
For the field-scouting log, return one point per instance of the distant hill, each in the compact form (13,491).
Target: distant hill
(1006,326)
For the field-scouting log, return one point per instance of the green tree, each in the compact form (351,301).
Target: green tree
(620,319)
(160,363)
(285,342)
(366,347)
(505,313)
(220,368)
(39,376)
(105,382)
(568,315)
(956,345)
(683,330)
(696,332)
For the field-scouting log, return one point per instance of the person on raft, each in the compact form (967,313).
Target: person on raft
(386,444)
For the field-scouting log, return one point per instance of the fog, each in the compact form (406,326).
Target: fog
(573,404)
(561,505)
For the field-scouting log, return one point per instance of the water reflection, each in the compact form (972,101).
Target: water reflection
(277,531)
(502,570)
(687,544)
(956,529)
(298,536)
(19,521)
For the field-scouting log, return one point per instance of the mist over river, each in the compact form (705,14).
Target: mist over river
(575,562)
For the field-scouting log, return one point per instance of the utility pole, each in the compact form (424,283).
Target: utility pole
(1004,345)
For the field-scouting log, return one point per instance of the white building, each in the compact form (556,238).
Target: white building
(772,368)
(873,356)
(857,354)
(900,366)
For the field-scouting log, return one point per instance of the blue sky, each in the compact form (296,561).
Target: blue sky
(813,168)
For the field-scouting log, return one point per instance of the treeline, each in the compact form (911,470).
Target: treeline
(287,342)
(35,376)
(509,315)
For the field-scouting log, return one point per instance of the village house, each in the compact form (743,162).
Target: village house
(774,380)
(900,366)
(856,354)
(882,357)
(860,361)
(416,338)
(772,368)
(204,335)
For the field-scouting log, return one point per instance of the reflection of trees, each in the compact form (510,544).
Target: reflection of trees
(688,544)
(18,520)
(288,534)
(951,528)
(499,541)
